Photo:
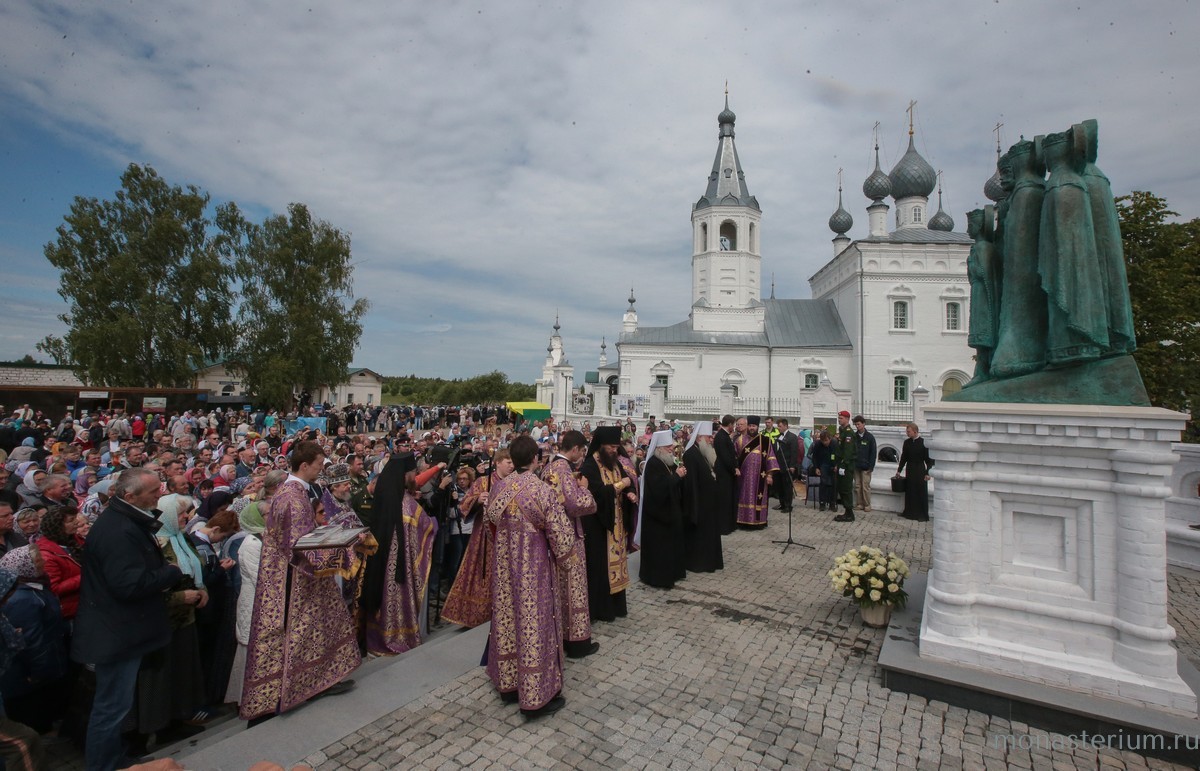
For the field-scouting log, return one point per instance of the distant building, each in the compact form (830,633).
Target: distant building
(362,386)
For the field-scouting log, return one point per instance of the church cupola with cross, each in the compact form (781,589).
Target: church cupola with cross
(913,179)
(726,262)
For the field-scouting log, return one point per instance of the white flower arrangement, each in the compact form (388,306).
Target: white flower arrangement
(870,577)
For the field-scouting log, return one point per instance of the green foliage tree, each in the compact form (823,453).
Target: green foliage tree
(492,388)
(299,320)
(1163,262)
(147,280)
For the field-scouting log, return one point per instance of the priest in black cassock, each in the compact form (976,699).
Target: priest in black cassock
(604,541)
(660,515)
(702,506)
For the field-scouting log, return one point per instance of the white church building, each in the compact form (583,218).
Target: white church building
(887,318)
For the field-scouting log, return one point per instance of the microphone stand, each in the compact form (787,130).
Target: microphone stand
(789,541)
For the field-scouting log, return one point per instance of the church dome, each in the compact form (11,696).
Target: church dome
(877,186)
(941,221)
(912,175)
(993,189)
(841,221)
(727,115)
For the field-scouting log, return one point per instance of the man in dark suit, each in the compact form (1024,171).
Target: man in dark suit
(726,469)
(791,455)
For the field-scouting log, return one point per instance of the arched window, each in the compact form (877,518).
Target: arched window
(704,236)
(953,317)
(728,236)
(753,238)
(900,314)
(900,388)
(952,386)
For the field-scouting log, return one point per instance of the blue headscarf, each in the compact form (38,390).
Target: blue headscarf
(185,553)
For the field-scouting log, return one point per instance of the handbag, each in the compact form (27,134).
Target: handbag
(899,484)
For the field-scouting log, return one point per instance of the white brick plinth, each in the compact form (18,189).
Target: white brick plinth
(1049,547)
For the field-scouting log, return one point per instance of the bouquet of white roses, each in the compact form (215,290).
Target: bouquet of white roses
(869,577)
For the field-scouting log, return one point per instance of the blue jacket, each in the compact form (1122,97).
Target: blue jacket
(34,611)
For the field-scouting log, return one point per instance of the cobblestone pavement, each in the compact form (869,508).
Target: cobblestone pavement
(756,666)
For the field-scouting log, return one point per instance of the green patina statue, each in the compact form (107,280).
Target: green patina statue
(1053,312)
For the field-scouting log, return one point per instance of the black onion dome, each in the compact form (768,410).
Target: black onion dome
(841,221)
(912,175)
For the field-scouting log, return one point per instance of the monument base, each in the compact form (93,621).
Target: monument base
(1049,548)
(1121,725)
(1115,381)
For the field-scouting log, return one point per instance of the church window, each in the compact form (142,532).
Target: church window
(728,236)
(953,317)
(811,381)
(952,386)
(736,391)
(662,380)
(753,238)
(704,236)
(900,314)
(900,388)
(917,214)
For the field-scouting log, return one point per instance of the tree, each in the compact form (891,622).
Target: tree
(299,322)
(147,280)
(1163,262)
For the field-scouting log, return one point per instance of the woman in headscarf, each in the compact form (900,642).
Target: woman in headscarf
(19,469)
(29,520)
(34,687)
(84,479)
(30,487)
(218,500)
(249,553)
(170,684)
(62,549)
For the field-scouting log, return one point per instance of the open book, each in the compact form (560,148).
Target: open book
(329,537)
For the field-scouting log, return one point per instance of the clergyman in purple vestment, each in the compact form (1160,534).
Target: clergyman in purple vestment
(578,502)
(532,534)
(302,640)
(757,461)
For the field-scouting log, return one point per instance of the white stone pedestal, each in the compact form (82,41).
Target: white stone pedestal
(1049,547)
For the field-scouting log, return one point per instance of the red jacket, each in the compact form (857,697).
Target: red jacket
(64,573)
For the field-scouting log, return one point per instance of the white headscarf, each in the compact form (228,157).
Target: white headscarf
(657,439)
(700,428)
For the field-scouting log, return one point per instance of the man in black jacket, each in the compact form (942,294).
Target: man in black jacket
(791,455)
(726,469)
(122,607)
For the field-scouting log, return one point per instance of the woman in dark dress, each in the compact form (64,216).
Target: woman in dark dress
(915,463)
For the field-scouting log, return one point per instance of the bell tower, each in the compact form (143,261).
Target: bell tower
(726,263)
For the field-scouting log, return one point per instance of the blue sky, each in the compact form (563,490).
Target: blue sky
(496,163)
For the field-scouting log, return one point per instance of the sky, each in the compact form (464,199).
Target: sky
(497,164)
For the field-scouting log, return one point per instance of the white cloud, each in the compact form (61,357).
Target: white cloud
(498,163)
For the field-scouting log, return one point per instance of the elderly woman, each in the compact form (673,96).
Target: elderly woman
(170,684)
(34,685)
(29,520)
(30,488)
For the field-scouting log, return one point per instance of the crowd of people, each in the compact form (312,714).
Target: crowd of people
(156,572)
